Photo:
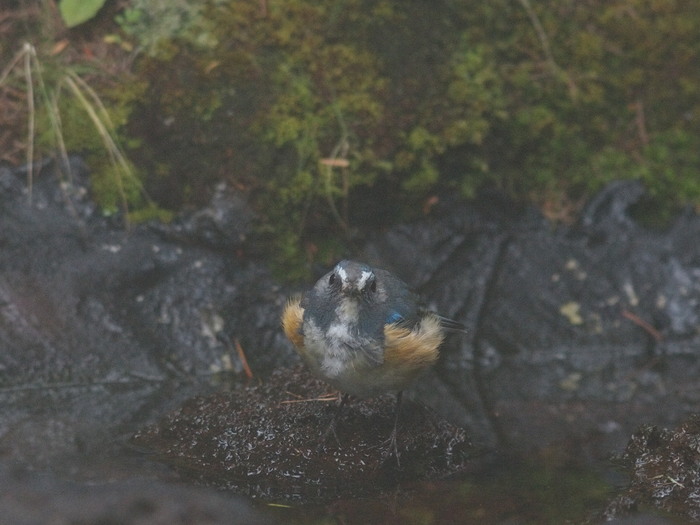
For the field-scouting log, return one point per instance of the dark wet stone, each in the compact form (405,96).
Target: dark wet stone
(32,499)
(98,322)
(266,440)
(664,467)
(224,223)
(85,299)
(577,334)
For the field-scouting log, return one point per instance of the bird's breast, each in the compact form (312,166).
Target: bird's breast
(347,312)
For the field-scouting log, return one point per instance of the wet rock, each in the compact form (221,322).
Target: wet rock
(664,467)
(267,440)
(575,333)
(224,223)
(85,298)
(29,498)
(98,322)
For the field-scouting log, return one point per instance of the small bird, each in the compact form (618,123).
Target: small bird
(363,331)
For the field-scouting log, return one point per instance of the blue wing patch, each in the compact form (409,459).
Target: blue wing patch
(394,317)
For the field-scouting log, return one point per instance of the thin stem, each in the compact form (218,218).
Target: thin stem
(31,117)
(546,48)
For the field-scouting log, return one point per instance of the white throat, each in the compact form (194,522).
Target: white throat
(347,315)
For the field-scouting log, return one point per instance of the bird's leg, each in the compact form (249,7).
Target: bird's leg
(392,446)
(334,421)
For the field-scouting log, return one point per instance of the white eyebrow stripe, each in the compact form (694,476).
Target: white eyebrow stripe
(366,275)
(343,274)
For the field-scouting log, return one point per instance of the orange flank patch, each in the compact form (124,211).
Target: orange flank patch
(291,321)
(413,350)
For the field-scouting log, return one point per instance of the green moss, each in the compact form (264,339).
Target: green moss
(150,212)
(310,105)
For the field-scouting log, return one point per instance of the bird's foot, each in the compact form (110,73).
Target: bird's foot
(330,431)
(333,424)
(391,448)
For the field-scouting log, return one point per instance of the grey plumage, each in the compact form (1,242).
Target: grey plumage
(363,331)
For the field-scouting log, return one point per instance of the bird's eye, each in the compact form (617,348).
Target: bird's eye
(331,279)
(373,286)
